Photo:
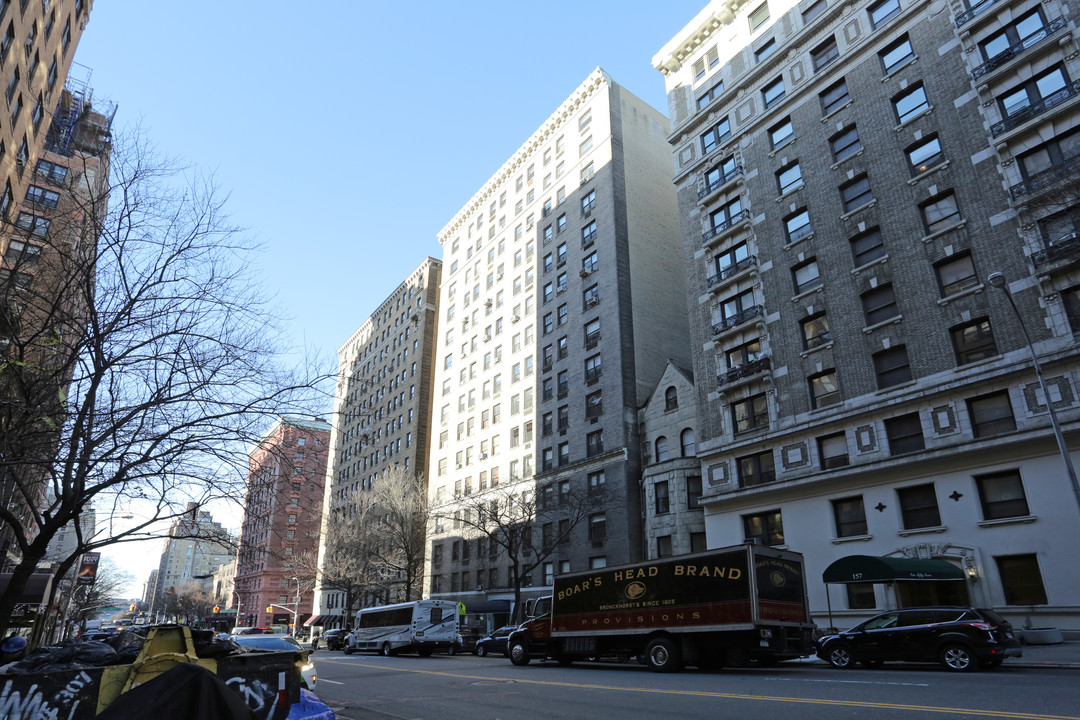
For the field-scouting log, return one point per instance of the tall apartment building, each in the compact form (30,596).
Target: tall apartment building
(849,175)
(195,547)
(286,481)
(561,304)
(382,407)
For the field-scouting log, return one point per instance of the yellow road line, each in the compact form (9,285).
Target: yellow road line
(727,696)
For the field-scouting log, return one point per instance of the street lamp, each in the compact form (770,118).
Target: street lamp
(296,612)
(997,279)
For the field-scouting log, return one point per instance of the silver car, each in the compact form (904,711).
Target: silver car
(281,642)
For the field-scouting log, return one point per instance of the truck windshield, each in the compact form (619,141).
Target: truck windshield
(541,607)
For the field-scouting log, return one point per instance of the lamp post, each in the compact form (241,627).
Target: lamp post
(296,612)
(997,279)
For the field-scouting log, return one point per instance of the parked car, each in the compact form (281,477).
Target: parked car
(280,642)
(960,638)
(334,639)
(495,642)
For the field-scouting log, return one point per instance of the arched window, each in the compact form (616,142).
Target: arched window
(671,398)
(689,449)
(661,449)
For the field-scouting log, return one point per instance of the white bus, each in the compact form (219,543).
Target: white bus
(423,626)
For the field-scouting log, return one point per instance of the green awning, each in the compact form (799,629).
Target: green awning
(868,568)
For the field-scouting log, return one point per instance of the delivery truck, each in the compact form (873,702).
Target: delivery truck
(722,607)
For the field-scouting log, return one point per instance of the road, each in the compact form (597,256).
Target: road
(367,687)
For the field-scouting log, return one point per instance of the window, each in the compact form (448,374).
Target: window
(563,383)
(823,389)
(596,481)
(1018,100)
(834,97)
(856,193)
(756,469)
(588,202)
(867,247)
(737,309)
(663,498)
(592,333)
(759,17)
(698,542)
(750,414)
(910,104)
(20,254)
(845,143)
(781,133)
(881,11)
(588,234)
(699,69)
(1057,151)
(597,527)
(940,213)
(833,451)
(773,92)
(590,263)
(918,507)
(806,276)
(1018,32)
(813,11)
(824,53)
(689,445)
(594,405)
(743,354)
(789,178)
(718,133)
(594,443)
(973,341)
(1021,579)
(671,399)
(1002,495)
(564,454)
(593,368)
(891,366)
(724,217)
(904,433)
(879,304)
(765,528)
(797,226)
(765,50)
(991,414)
(33,224)
(663,546)
(850,516)
(924,155)
(711,94)
(896,54)
(721,173)
(815,331)
(693,492)
(732,259)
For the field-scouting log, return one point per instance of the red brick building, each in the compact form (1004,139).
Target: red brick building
(282,514)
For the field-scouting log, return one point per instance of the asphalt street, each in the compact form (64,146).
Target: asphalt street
(367,687)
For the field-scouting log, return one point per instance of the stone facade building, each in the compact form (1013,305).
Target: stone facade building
(562,300)
(849,175)
(382,406)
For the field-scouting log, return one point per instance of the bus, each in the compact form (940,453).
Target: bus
(423,626)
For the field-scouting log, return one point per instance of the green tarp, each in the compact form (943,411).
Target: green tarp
(868,568)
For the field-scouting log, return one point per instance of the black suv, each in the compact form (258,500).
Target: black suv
(334,639)
(960,638)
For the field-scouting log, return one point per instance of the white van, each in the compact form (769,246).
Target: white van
(422,626)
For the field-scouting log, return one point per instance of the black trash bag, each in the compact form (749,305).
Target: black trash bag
(218,648)
(127,645)
(185,692)
(95,652)
(53,656)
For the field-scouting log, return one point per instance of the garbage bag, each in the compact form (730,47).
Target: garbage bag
(186,691)
(127,645)
(95,653)
(310,707)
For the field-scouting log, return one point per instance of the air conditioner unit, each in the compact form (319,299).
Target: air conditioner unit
(592,301)
(516,318)
(586,272)
(1063,239)
(487,303)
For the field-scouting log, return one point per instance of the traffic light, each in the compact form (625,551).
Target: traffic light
(131,608)
(270,610)
(217,609)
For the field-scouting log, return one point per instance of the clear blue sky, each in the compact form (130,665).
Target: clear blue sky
(347,137)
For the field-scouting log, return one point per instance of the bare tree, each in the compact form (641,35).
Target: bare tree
(141,357)
(400,513)
(108,585)
(510,520)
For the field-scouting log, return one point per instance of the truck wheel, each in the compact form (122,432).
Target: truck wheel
(519,654)
(348,650)
(385,650)
(662,655)
(481,650)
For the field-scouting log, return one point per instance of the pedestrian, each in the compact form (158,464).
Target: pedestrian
(315,640)
(12,651)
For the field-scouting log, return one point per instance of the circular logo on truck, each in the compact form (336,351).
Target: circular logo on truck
(778,578)
(635,590)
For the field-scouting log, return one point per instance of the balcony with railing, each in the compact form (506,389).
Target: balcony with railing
(1067,247)
(1019,48)
(744,371)
(737,319)
(714,281)
(1035,109)
(719,229)
(708,189)
(1067,169)
(976,9)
